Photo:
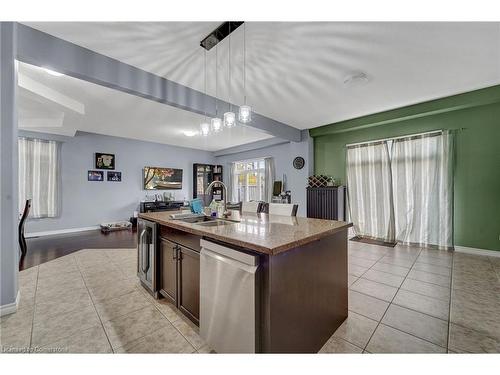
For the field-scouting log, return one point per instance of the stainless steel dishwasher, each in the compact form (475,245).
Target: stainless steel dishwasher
(228,298)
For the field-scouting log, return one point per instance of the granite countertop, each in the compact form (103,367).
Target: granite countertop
(267,234)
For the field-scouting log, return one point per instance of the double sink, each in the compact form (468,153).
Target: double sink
(208,221)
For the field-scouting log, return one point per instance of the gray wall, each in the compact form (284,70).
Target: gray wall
(283,154)
(9,251)
(86,203)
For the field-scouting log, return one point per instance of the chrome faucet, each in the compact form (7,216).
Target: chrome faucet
(224,194)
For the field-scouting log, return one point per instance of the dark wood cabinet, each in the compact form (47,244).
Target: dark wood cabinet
(180,272)
(326,203)
(168,271)
(189,283)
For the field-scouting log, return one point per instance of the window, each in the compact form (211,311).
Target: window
(39,176)
(249,180)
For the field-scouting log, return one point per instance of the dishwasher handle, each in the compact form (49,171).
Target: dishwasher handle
(229,261)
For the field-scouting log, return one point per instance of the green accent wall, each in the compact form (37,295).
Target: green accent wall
(476,118)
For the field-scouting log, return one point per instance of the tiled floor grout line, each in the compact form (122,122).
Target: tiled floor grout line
(34,306)
(93,304)
(449,305)
(389,305)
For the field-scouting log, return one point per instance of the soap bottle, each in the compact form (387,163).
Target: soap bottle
(213,208)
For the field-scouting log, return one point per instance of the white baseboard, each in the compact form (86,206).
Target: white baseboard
(59,231)
(10,308)
(474,251)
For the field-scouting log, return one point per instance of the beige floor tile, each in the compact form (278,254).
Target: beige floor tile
(434,261)
(190,332)
(398,261)
(427,305)
(370,307)
(168,310)
(112,289)
(64,281)
(15,329)
(356,329)
(127,328)
(205,349)
(430,278)
(46,331)
(57,267)
(468,340)
(427,289)
(384,278)
(51,306)
(356,270)
(472,311)
(417,324)
(165,340)
(364,255)
(351,279)
(431,268)
(338,345)
(112,308)
(362,262)
(390,340)
(374,289)
(91,340)
(391,268)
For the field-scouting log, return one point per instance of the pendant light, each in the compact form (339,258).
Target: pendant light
(216,122)
(205,126)
(245,112)
(229,117)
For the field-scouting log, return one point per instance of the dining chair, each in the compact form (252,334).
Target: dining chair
(253,206)
(284,209)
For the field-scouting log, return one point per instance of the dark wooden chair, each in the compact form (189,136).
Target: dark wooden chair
(22,240)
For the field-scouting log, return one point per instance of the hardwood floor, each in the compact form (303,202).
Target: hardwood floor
(44,249)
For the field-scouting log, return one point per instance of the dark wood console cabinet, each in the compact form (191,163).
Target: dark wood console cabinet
(326,203)
(180,271)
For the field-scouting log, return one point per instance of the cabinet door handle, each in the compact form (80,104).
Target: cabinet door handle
(174,252)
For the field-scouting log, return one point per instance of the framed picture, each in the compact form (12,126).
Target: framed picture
(162,178)
(104,161)
(115,176)
(95,176)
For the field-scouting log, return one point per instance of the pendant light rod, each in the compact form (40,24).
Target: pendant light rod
(245,63)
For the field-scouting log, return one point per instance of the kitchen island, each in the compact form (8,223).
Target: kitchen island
(299,294)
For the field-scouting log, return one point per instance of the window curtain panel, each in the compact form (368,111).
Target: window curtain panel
(268,179)
(39,176)
(369,187)
(233,184)
(423,189)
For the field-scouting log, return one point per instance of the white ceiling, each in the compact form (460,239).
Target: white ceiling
(112,112)
(295,71)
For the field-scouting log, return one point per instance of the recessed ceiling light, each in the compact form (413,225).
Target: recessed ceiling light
(190,133)
(356,78)
(52,72)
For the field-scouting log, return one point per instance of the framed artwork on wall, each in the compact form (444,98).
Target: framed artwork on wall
(162,178)
(95,176)
(104,161)
(115,176)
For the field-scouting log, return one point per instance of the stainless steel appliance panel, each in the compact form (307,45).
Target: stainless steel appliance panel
(228,299)
(146,255)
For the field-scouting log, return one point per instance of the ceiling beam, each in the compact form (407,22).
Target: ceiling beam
(38,48)
(48,93)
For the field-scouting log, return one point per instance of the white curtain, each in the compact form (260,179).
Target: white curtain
(369,186)
(268,179)
(423,189)
(233,184)
(39,176)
